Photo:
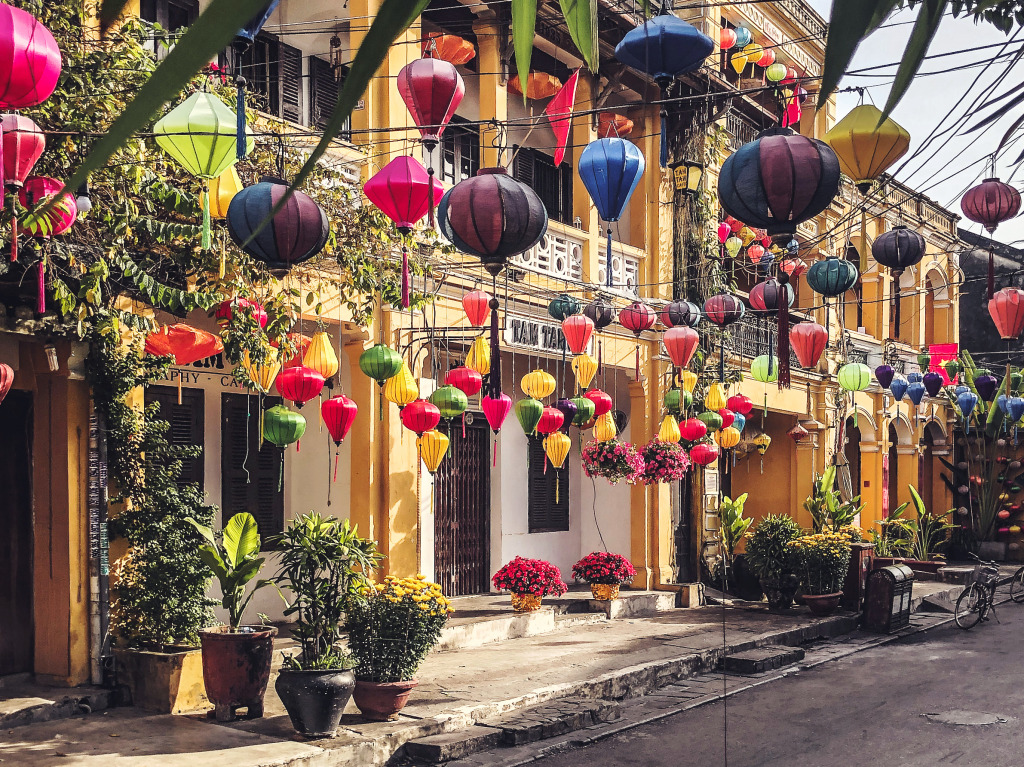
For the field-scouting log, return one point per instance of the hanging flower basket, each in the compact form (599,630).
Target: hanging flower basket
(664,462)
(613,460)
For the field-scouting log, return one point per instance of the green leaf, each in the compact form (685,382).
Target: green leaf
(111,11)
(927,24)
(211,557)
(524,22)
(204,531)
(241,538)
(851,22)
(581,18)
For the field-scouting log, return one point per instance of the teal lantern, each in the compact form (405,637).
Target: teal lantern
(450,401)
(832,276)
(584,410)
(564,306)
(528,412)
(380,362)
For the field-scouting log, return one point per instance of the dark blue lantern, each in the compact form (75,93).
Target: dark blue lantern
(915,392)
(664,47)
(246,36)
(898,387)
(244,39)
(832,276)
(610,169)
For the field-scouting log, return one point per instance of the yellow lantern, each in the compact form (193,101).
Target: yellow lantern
(538,384)
(727,438)
(762,441)
(222,189)
(747,235)
(738,61)
(1014,529)
(604,428)
(557,445)
(866,149)
(262,376)
(669,431)
(715,399)
(753,52)
(432,446)
(585,368)
(479,357)
(320,355)
(401,388)
(689,379)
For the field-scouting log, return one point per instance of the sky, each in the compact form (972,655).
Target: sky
(952,162)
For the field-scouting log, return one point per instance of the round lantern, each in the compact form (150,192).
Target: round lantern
(538,384)
(779,180)
(767,58)
(380,362)
(493,217)
(669,431)
(693,429)
(295,234)
(479,357)
(739,421)
(1006,308)
(420,416)
(728,417)
(637,317)
(601,313)
(465,379)
(602,401)
(727,438)
(551,420)
(673,401)
(223,190)
(991,203)
(898,249)
(775,72)
(681,344)
(568,409)
(282,426)
(496,410)
(832,276)
(320,355)
(252,309)
(726,38)
(339,413)
(867,145)
(432,90)
(31,60)
(766,296)
(6,380)
(680,313)
(764,369)
(613,125)
(529,412)
(704,454)
(299,384)
(585,410)
(401,388)
(584,367)
(808,340)
(451,402)
(724,309)
(476,304)
(740,403)
(556,447)
(55,221)
(563,306)
(432,446)
(450,48)
(710,419)
(854,376)
(539,85)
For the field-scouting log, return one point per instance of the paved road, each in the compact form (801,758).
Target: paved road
(881,706)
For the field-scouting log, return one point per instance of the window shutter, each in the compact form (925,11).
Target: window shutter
(522,167)
(186,425)
(323,91)
(251,477)
(548,492)
(289,75)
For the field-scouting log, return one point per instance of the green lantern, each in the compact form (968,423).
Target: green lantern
(584,410)
(711,419)
(765,369)
(673,401)
(1016,378)
(450,401)
(529,411)
(953,368)
(282,426)
(924,359)
(201,133)
(854,376)
(564,306)
(380,362)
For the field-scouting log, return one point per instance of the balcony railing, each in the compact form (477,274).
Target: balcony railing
(741,131)
(753,336)
(625,269)
(559,254)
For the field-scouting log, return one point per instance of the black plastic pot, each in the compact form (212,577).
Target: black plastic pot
(780,592)
(315,700)
(746,584)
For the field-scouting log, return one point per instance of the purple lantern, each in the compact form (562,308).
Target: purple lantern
(933,383)
(986,386)
(884,375)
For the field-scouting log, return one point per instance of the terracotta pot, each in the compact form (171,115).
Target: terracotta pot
(315,700)
(525,603)
(381,701)
(236,668)
(605,592)
(823,604)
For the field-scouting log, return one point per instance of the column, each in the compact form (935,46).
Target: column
(365,489)
(907,458)
(641,530)
(493,95)
(582,206)
(871,485)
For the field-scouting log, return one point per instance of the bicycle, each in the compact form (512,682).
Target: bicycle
(1017,586)
(978,599)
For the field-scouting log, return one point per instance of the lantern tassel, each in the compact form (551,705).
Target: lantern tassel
(41,297)
(991,275)
(206,218)
(222,265)
(783,338)
(430,197)
(463,424)
(335,464)
(14,229)
(638,362)
(240,139)
(896,298)
(664,132)
(608,261)
(494,461)
(405,278)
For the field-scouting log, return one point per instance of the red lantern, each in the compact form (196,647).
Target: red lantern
(734,224)
(794,267)
(724,230)
(691,429)
(402,190)
(338,413)
(798,433)
(183,342)
(299,384)
(681,344)
(226,311)
(496,409)
(808,340)
(991,203)
(755,252)
(728,417)
(30,61)
(724,309)
(432,89)
(1007,310)
(477,305)
(602,402)
(726,38)
(6,380)
(551,420)
(704,454)
(577,330)
(23,145)
(465,379)
(637,317)
(420,416)
(740,403)
(302,343)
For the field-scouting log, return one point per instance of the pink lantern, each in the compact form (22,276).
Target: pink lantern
(23,145)
(724,230)
(56,220)
(29,59)
(681,343)
(496,410)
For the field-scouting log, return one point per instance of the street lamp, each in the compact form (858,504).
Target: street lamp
(687,176)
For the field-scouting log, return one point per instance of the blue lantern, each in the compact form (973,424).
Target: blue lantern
(611,169)
(961,389)
(244,39)
(915,392)
(664,47)
(246,36)
(1015,408)
(739,421)
(914,378)
(898,387)
(1001,404)
(967,401)
(743,37)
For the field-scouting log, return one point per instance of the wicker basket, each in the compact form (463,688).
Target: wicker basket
(605,592)
(525,603)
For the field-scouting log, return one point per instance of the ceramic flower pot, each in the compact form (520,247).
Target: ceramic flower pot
(605,592)
(525,603)
(823,604)
(315,700)
(236,668)
(381,701)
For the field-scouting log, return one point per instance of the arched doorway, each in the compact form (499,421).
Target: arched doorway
(933,441)
(891,471)
(851,451)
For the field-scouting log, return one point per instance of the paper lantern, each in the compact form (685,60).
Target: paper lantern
(223,189)
(585,410)
(6,380)
(36,191)
(689,380)
(779,180)
(808,340)
(867,145)
(320,355)
(798,433)
(30,60)
(854,376)
(715,397)
(432,446)
(404,191)
(704,454)
(296,233)
(184,343)
(568,410)
(496,410)
(339,413)
(692,429)
(556,446)
(775,72)
(551,420)
(1006,307)
(669,431)
(401,388)
(832,276)
(450,48)
(764,369)
(262,376)
(420,416)
(986,386)
(493,217)
(724,309)
(766,296)
(612,125)
(539,85)
(529,412)
(450,401)
(681,344)
(563,306)
(23,145)
(479,357)
(602,401)
(680,313)
(301,343)
(465,379)
(637,317)
(884,374)
(476,304)
(584,367)
(299,384)
(380,362)
(991,203)
(282,426)
(432,90)
(226,311)
(727,438)
(605,428)
(538,384)
(740,403)
(600,312)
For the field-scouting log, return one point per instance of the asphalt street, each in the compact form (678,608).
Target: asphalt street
(944,697)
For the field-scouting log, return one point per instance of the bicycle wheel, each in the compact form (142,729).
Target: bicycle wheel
(1017,586)
(968,607)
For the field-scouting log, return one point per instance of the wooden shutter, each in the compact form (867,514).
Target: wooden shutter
(186,425)
(323,91)
(548,492)
(251,477)
(289,77)
(522,166)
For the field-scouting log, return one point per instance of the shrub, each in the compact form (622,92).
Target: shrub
(604,567)
(821,561)
(767,551)
(530,576)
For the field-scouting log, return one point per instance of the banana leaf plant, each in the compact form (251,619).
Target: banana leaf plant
(825,504)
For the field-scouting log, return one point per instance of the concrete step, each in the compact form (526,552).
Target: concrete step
(761,659)
(22,704)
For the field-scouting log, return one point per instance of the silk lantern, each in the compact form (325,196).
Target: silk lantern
(808,340)
(282,426)
(432,90)
(726,38)
(466,379)
(584,367)
(932,383)
(728,417)
(711,419)
(680,313)
(551,420)
(637,317)
(450,401)
(262,376)
(739,421)
(1007,311)
(479,357)
(450,48)
(253,309)
(299,384)
(727,438)
(765,369)
(43,223)
(338,413)
(22,146)
(775,72)
(568,410)
(610,169)
(885,374)
(320,355)
(681,344)
(740,403)
(854,376)
(898,249)
(184,343)
(715,397)
(600,312)
(867,145)
(585,410)
(986,386)
(669,430)
(380,362)
(602,401)
(898,387)
(766,296)
(201,134)
(966,401)
(665,47)
(496,410)
(6,380)
(990,203)
(689,380)
(692,429)
(613,125)
(492,216)
(832,276)
(767,58)
(538,384)
(30,60)
(528,412)
(556,447)
(605,429)
(563,306)
(420,416)
(779,180)
(476,304)
(723,309)
(704,454)
(223,189)
(432,446)
(401,388)
(724,230)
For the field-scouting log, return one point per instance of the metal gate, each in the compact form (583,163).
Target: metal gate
(462,511)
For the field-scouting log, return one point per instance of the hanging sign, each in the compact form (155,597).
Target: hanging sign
(535,335)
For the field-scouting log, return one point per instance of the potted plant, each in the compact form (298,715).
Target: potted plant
(771,560)
(664,462)
(737,573)
(612,460)
(236,658)
(605,572)
(324,566)
(821,561)
(390,631)
(529,580)
(916,542)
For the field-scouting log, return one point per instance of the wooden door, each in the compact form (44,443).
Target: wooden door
(16,635)
(462,511)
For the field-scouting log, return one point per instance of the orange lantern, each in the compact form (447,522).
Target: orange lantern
(539,85)
(450,48)
(302,342)
(184,343)
(613,125)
